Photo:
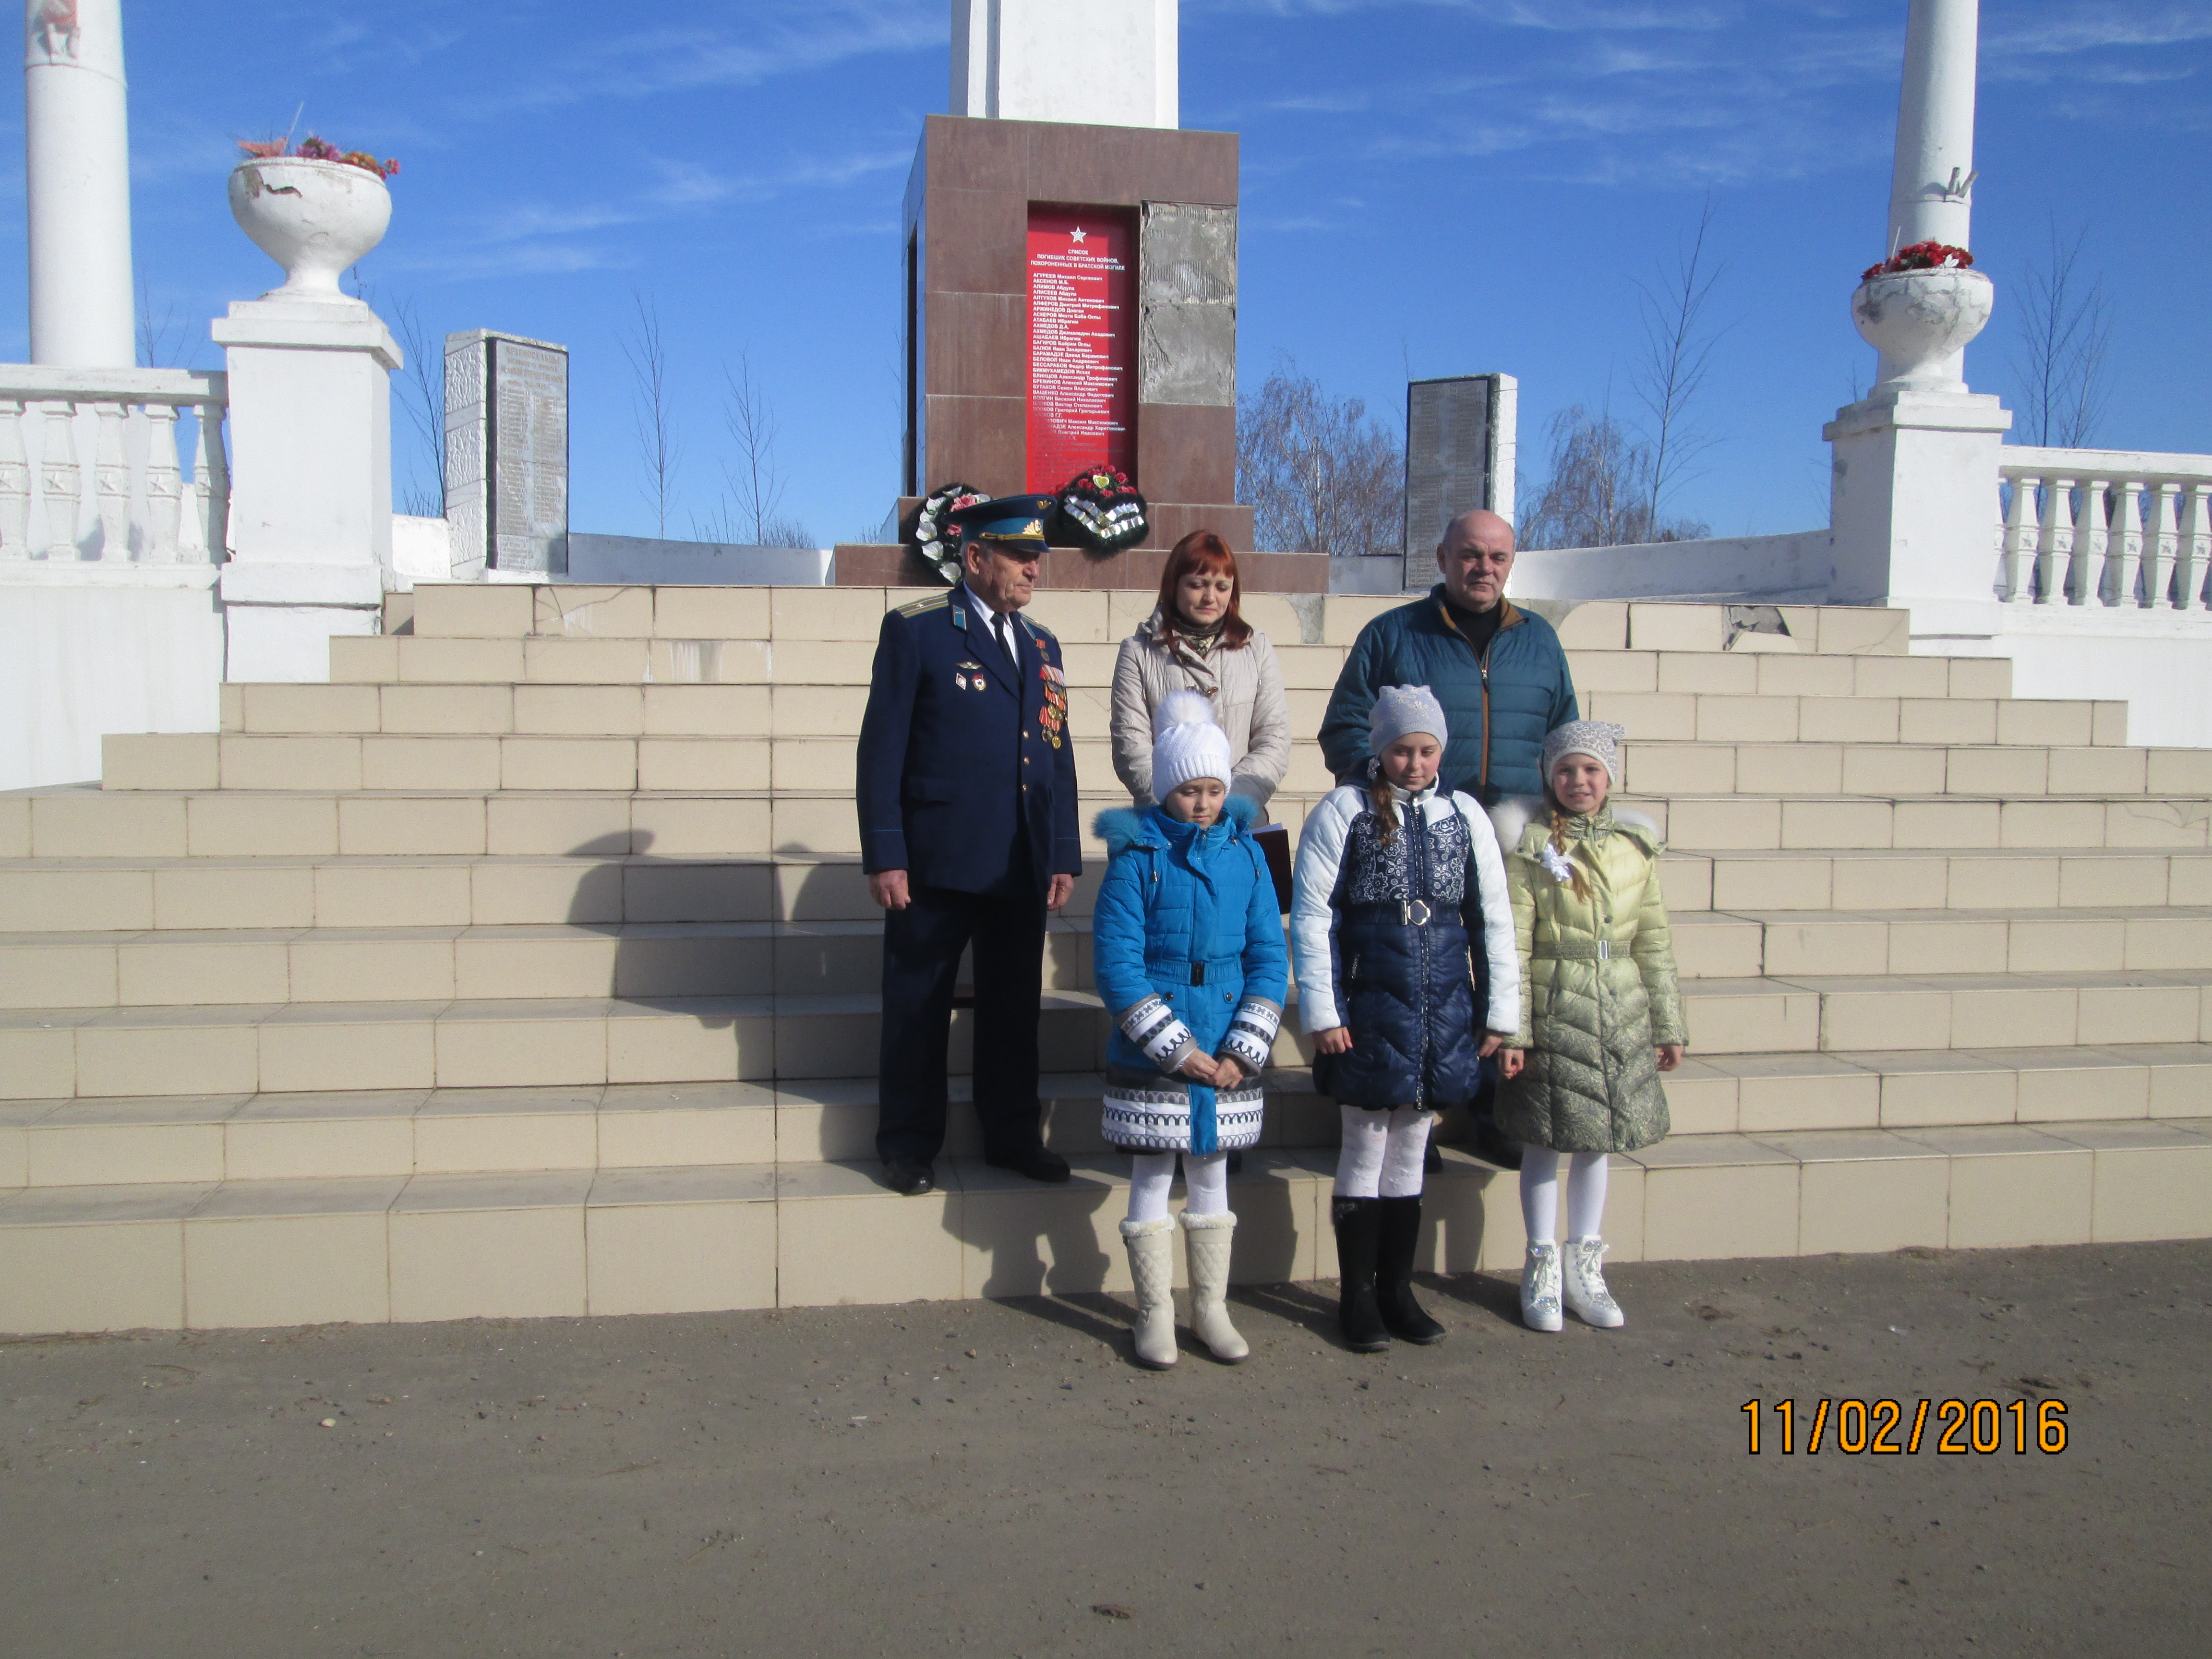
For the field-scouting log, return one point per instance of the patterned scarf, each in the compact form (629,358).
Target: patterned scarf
(1188,644)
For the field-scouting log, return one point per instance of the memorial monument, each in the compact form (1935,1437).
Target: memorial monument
(1071,286)
(506,454)
(1459,454)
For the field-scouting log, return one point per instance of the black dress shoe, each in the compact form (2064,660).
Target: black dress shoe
(909,1177)
(1494,1148)
(1037,1163)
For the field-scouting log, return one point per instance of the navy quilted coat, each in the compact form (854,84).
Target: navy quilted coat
(1499,708)
(1408,941)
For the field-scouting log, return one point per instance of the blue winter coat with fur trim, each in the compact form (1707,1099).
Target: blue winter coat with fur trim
(1176,899)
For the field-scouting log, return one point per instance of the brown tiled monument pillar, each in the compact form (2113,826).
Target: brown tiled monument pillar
(1072,287)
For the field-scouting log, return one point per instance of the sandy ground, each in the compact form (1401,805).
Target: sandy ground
(998,1478)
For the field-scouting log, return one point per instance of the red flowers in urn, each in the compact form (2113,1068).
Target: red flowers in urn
(1921,256)
(313,149)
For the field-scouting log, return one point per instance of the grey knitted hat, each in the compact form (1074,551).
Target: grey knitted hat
(1599,739)
(1402,709)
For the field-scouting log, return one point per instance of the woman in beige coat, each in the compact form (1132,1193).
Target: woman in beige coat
(1194,640)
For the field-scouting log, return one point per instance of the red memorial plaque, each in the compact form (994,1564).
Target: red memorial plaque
(1083,384)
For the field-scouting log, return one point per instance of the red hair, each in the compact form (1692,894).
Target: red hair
(1205,552)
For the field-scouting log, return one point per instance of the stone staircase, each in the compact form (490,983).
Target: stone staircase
(496,977)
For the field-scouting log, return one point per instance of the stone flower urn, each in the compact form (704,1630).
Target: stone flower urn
(1920,322)
(313,218)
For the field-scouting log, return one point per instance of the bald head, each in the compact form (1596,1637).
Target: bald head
(1476,557)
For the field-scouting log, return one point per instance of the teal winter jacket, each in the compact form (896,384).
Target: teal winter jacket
(1499,709)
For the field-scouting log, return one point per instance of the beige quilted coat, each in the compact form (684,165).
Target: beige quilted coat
(1251,707)
(1599,990)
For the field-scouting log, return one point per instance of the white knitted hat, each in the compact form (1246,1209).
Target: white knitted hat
(1402,709)
(1186,743)
(1599,739)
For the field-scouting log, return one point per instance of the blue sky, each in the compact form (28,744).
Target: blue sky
(1437,187)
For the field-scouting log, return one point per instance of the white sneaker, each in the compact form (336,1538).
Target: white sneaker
(1587,1297)
(1539,1288)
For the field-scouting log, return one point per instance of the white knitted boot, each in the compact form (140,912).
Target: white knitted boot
(1151,1265)
(1587,1297)
(1207,1238)
(1539,1288)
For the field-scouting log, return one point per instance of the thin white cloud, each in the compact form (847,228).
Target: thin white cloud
(1685,95)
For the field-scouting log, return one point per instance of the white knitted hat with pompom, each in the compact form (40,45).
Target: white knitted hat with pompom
(1186,743)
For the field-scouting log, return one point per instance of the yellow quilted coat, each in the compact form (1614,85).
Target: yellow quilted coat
(1600,989)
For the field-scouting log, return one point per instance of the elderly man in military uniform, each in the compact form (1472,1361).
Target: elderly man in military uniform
(968,832)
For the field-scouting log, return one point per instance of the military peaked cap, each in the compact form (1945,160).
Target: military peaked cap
(1017,521)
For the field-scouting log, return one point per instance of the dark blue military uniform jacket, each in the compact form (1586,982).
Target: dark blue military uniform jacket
(962,758)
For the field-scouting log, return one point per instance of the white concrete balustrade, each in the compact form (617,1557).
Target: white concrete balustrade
(93,470)
(2106,529)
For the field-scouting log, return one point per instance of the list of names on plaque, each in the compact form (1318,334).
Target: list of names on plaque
(1082,382)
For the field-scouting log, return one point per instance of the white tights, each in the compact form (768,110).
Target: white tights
(1383,1151)
(1206,1184)
(1540,1194)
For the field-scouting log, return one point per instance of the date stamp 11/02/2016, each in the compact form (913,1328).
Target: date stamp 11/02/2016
(1876,1427)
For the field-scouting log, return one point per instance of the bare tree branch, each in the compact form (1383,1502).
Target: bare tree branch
(2059,349)
(422,395)
(1321,474)
(155,351)
(751,512)
(658,445)
(1678,349)
(1599,493)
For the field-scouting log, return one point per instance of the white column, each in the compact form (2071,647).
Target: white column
(310,482)
(76,153)
(1930,190)
(1107,62)
(1913,492)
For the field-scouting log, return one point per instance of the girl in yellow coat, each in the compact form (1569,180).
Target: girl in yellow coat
(1601,1015)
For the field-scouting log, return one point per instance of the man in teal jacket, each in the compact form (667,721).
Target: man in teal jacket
(1502,677)
(1499,671)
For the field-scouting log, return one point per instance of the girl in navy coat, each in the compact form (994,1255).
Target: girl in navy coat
(1408,977)
(1186,944)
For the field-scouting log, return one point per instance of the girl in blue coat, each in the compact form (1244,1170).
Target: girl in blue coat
(1408,977)
(1186,944)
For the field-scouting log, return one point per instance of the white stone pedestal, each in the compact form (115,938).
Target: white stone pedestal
(1913,500)
(311,482)
(1106,62)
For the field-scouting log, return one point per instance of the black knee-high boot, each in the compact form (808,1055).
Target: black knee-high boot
(1403,1316)
(1358,1226)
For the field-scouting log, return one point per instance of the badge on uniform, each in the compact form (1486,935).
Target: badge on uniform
(961,672)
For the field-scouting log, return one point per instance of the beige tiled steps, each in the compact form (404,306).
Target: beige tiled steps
(575,612)
(228,889)
(409,1131)
(1738,823)
(699,1237)
(312,1046)
(472,1131)
(1964,879)
(183,967)
(302,1046)
(1900,770)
